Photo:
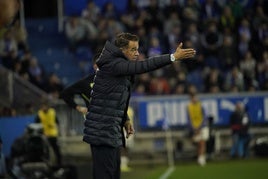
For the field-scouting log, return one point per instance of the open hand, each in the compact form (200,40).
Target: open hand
(129,128)
(81,109)
(180,53)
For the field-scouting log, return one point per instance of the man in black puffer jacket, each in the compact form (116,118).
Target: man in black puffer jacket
(110,98)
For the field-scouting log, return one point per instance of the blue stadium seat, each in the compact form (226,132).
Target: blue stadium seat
(51,49)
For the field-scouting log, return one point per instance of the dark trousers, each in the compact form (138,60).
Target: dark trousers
(56,149)
(106,162)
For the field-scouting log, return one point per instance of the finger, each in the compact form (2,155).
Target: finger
(188,56)
(128,134)
(188,50)
(190,53)
(180,45)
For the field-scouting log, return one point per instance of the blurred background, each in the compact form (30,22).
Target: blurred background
(52,43)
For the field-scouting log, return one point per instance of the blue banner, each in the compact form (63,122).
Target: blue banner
(152,112)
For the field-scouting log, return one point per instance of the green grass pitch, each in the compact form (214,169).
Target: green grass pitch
(231,169)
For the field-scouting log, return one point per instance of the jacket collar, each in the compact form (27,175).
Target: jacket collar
(115,51)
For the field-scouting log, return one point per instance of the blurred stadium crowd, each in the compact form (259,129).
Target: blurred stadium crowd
(230,37)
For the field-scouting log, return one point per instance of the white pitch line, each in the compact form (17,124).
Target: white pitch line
(167,173)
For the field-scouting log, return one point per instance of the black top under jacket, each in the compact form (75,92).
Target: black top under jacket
(82,87)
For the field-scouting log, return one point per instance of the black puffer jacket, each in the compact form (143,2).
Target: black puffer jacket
(111,93)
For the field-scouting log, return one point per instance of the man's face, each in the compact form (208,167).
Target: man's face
(131,51)
(44,107)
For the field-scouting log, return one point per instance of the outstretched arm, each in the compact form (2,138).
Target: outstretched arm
(126,67)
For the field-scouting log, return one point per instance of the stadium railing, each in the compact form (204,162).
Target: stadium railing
(18,93)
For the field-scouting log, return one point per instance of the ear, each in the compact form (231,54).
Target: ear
(123,49)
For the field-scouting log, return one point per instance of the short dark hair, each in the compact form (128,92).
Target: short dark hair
(123,39)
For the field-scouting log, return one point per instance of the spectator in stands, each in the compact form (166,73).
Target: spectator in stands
(248,66)
(189,16)
(128,21)
(244,34)
(259,18)
(128,18)
(36,73)
(172,7)
(210,10)
(214,79)
(155,15)
(17,68)
(193,35)
(159,85)
(91,12)
(261,41)
(194,6)
(114,27)
(144,40)
(75,32)
(239,123)
(10,60)
(228,54)
(143,81)
(211,40)
(110,11)
(197,121)
(195,64)
(139,90)
(91,31)
(47,116)
(53,86)
(227,19)
(173,20)
(20,35)
(237,8)
(25,61)
(176,75)
(179,89)
(262,72)
(174,36)
(142,20)
(8,46)
(154,47)
(155,32)
(104,122)
(234,78)
(132,7)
